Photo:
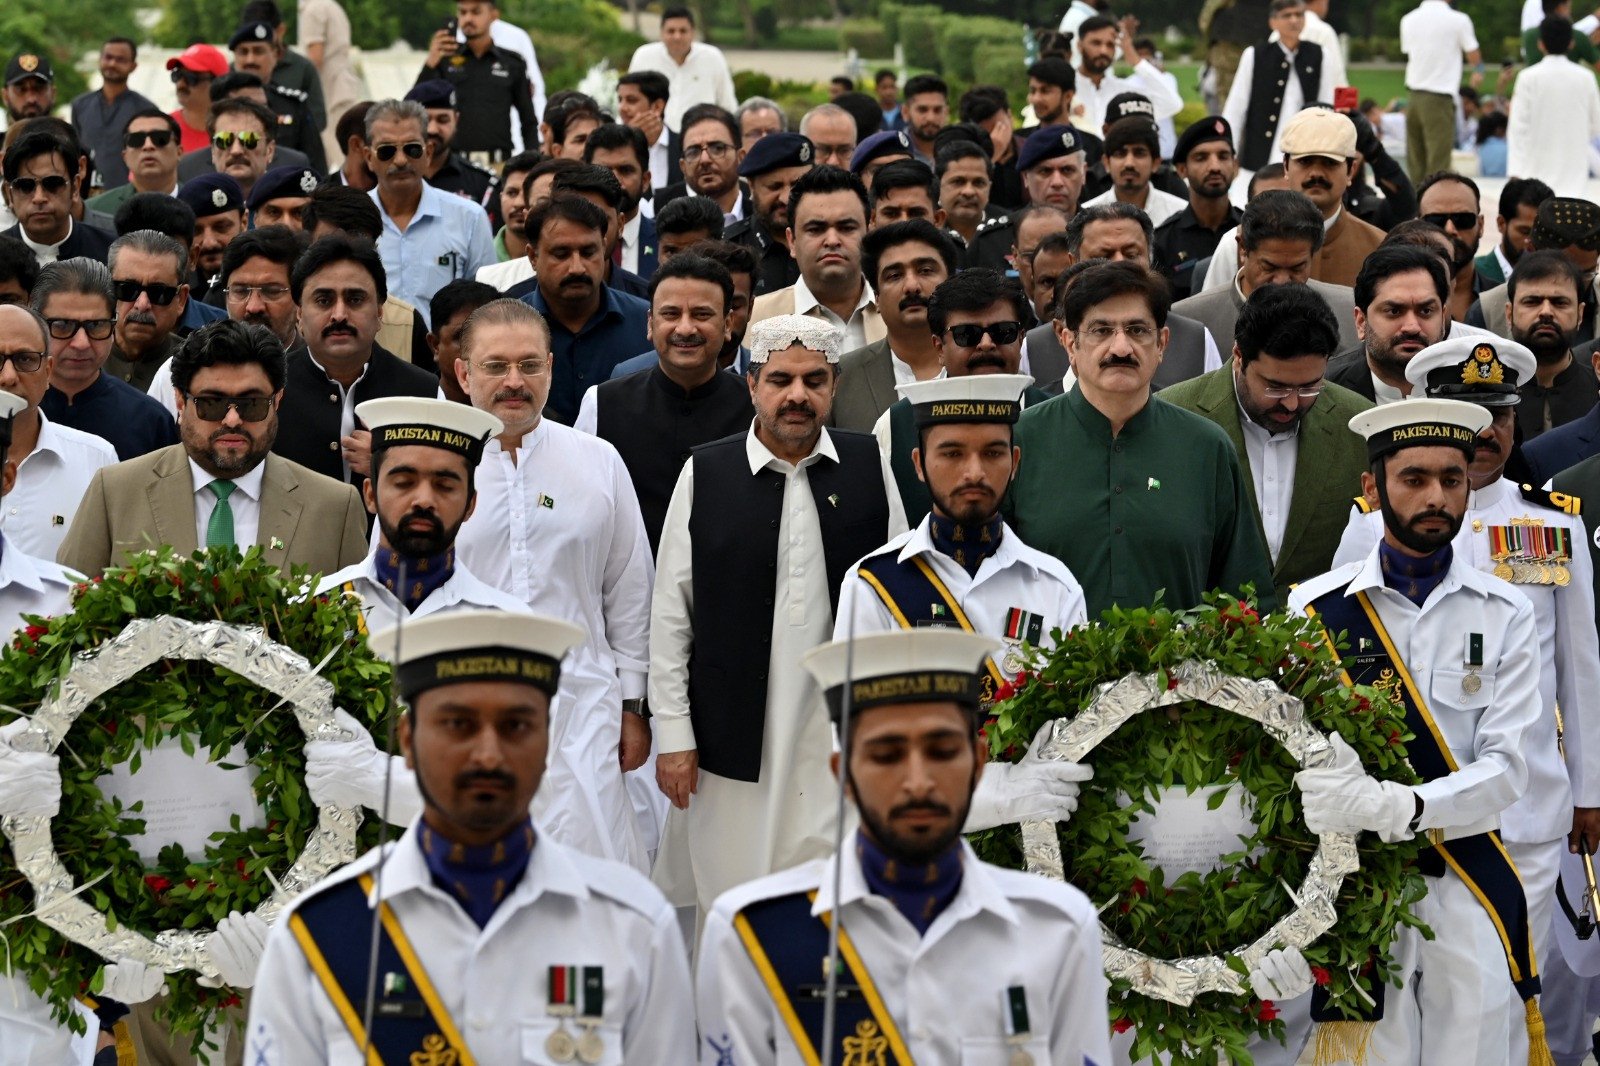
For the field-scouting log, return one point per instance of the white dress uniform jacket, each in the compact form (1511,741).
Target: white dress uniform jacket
(1002,929)
(1466,1011)
(558,529)
(569,909)
(1014,576)
(1557,115)
(462,592)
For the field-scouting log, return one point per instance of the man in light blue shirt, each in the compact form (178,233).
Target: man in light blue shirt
(430,237)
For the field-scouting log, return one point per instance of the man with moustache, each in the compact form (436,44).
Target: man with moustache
(100,116)
(772,165)
(451,307)
(904,262)
(219,217)
(1544,307)
(965,172)
(1204,158)
(655,418)
(150,151)
(41,185)
(492,82)
(925,106)
(148,277)
(243,138)
(1099,42)
(622,150)
(1053,168)
(1319,155)
(740,265)
(221,485)
(600,187)
(448,169)
(1452,202)
(298,119)
(1571,227)
(1400,310)
(1132,154)
(712,152)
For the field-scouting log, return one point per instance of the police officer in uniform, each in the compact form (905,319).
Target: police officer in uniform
(297,128)
(991,245)
(770,167)
(918,914)
(452,171)
(1099,180)
(496,944)
(1458,649)
(490,82)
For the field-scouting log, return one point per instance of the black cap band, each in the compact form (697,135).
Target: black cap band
(917,686)
(401,435)
(479,664)
(941,411)
(1422,435)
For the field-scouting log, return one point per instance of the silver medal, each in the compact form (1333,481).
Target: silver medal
(1471,684)
(591,1048)
(560,1045)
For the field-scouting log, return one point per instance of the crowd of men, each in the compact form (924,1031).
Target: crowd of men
(687,452)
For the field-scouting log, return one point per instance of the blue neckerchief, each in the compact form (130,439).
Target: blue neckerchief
(1410,576)
(478,878)
(424,573)
(921,892)
(969,546)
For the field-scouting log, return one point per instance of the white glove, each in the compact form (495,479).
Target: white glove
(30,782)
(235,948)
(1342,798)
(1032,790)
(1282,974)
(129,982)
(346,773)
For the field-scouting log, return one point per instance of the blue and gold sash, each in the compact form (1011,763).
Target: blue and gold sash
(789,946)
(917,598)
(410,1025)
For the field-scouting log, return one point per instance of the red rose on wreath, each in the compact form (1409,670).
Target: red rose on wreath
(1121,1025)
(1267,1012)
(1320,975)
(156,883)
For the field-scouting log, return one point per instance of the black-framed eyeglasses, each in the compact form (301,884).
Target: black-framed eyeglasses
(968,334)
(138,139)
(188,77)
(128,290)
(64,329)
(1460,219)
(53,185)
(25,362)
(242,293)
(248,140)
(412,149)
(716,150)
(216,408)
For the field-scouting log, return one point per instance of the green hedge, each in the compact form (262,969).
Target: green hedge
(959,37)
(1003,64)
(69,34)
(919,35)
(867,37)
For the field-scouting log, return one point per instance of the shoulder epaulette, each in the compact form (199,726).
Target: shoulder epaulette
(293,94)
(1362,505)
(1558,501)
(994,223)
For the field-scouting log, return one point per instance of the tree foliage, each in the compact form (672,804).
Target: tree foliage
(66,33)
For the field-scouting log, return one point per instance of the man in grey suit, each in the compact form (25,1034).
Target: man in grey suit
(221,485)
(1278,242)
(1106,232)
(904,262)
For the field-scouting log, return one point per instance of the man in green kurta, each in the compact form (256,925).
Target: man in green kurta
(1136,496)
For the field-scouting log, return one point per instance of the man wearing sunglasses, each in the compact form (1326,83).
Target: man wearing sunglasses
(243,138)
(298,120)
(192,72)
(1451,202)
(41,172)
(101,115)
(151,147)
(147,277)
(222,485)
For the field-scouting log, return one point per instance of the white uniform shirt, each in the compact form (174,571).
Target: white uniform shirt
(51,480)
(1089,103)
(559,530)
(1273,458)
(244,501)
(702,78)
(1557,115)
(1003,929)
(1159,205)
(1488,731)
(462,592)
(569,909)
(1569,671)
(1077,13)
(1435,38)
(504,275)
(1237,107)
(1014,576)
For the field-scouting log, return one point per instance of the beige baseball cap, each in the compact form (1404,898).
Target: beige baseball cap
(1319,131)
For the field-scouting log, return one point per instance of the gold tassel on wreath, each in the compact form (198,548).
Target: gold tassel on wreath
(1339,1042)
(1538,1046)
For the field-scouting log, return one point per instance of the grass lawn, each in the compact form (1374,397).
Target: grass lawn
(1383,84)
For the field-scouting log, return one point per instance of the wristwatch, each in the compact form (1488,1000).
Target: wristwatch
(640,707)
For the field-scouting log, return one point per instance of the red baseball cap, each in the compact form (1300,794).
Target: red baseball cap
(201,59)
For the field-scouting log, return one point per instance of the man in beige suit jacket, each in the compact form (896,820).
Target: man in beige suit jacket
(297,515)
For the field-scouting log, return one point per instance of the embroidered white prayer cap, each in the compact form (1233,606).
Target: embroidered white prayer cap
(781,332)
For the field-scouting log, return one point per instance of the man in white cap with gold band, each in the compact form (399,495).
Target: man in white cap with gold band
(496,944)
(918,913)
(759,534)
(1456,647)
(1534,539)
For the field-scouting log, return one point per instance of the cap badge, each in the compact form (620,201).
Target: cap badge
(904,138)
(1220,128)
(261,32)
(1483,368)
(219,198)
(805,153)
(308,182)
(1066,140)
(28,62)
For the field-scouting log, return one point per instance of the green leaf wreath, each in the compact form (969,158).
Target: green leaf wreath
(207,708)
(1192,746)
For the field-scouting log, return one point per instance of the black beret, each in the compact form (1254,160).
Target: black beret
(434,93)
(282,181)
(252,31)
(212,194)
(1210,128)
(880,144)
(777,150)
(1048,142)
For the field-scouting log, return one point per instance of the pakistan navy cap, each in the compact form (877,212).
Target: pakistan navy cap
(900,666)
(251,32)
(454,647)
(25,65)
(775,151)
(401,421)
(1563,221)
(1210,128)
(974,398)
(781,332)
(434,93)
(280,182)
(10,407)
(1423,423)
(212,194)
(1477,369)
(1048,142)
(880,144)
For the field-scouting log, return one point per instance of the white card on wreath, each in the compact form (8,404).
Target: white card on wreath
(186,797)
(1184,835)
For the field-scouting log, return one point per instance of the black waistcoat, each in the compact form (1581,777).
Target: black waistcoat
(734,526)
(1271,76)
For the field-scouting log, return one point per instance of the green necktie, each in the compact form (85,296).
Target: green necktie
(219,530)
